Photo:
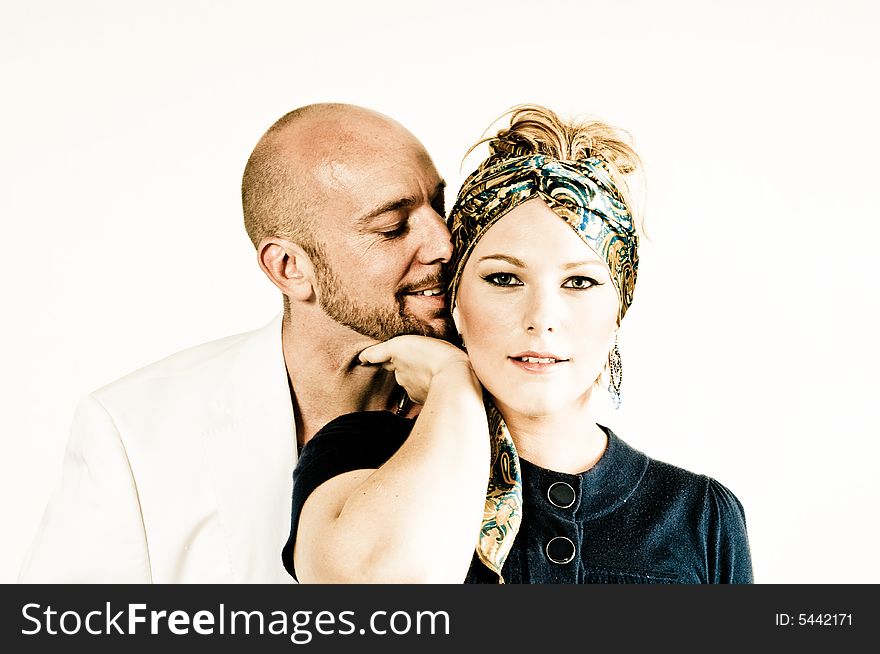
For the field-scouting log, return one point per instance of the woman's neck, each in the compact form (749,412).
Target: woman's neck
(565,441)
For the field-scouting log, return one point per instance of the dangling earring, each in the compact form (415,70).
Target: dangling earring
(615,367)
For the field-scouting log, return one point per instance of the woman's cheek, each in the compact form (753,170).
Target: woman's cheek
(482,320)
(482,338)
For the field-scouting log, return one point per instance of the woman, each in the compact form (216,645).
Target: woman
(543,271)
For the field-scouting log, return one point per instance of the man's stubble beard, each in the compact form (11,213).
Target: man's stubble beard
(379,323)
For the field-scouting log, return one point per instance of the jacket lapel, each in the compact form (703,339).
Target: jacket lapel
(251,447)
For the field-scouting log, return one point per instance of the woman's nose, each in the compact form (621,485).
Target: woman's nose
(542,312)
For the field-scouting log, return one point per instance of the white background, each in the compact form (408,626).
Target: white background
(750,353)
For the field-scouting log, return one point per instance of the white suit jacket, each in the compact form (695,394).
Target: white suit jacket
(179,472)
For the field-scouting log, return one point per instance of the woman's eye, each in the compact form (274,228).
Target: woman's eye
(503,279)
(580,282)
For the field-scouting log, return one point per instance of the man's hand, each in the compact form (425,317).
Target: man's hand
(416,361)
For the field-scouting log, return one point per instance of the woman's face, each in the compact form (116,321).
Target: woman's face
(537,311)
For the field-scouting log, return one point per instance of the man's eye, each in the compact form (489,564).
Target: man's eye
(394,233)
(503,279)
(580,282)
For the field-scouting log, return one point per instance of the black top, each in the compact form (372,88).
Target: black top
(628,519)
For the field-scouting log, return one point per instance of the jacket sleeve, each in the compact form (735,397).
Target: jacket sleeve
(729,556)
(92,530)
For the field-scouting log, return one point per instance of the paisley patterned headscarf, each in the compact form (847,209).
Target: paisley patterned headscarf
(584,195)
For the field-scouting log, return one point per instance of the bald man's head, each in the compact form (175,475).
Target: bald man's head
(359,196)
(292,167)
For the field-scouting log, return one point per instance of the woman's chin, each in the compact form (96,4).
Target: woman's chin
(541,406)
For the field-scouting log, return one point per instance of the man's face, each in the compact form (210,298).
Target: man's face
(381,255)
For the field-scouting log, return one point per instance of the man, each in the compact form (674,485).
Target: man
(181,471)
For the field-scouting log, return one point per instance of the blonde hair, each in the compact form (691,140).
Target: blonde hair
(535,129)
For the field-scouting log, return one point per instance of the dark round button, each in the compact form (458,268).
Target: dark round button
(561,494)
(560,550)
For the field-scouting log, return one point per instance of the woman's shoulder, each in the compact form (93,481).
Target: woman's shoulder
(717,501)
(713,509)
(721,522)
(705,490)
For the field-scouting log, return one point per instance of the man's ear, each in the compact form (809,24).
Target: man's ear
(288,267)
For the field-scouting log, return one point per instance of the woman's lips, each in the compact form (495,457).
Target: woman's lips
(537,365)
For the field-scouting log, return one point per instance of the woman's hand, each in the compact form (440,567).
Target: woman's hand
(416,361)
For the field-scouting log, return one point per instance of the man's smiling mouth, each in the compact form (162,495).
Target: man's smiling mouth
(428,292)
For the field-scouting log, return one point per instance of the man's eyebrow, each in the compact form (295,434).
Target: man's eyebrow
(386,207)
(395,205)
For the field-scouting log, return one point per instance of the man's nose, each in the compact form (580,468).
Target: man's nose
(437,244)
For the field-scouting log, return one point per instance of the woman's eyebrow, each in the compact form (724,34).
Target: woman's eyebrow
(578,264)
(518,262)
(504,257)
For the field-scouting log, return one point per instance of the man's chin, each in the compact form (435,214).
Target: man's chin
(435,326)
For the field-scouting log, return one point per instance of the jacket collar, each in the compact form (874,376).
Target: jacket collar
(598,491)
